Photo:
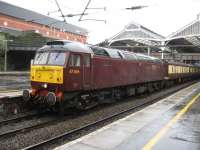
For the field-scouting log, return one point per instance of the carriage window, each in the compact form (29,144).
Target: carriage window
(75,61)
(86,61)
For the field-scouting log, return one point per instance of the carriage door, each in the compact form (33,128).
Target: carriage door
(86,71)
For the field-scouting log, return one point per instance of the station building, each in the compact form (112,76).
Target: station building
(23,31)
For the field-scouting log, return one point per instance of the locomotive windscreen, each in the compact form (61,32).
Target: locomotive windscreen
(50,58)
(57,58)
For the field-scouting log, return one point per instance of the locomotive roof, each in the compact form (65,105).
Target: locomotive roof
(65,45)
(116,53)
(179,63)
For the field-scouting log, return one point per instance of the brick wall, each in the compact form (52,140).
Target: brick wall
(15,23)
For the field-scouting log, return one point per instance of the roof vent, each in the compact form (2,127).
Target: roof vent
(57,43)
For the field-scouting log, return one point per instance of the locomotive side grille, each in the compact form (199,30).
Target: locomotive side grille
(47,74)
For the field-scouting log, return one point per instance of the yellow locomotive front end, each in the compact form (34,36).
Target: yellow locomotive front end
(47,77)
(46,74)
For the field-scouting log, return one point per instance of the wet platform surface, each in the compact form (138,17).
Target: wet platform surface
(172,123)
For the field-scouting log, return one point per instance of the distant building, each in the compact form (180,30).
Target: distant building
(14,20)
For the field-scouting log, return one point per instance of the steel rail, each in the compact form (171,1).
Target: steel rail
(10,133)
(24,116)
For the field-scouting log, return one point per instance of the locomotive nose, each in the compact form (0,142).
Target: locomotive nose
(51,98)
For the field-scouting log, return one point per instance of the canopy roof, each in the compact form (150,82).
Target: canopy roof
(133,34)
(186,39)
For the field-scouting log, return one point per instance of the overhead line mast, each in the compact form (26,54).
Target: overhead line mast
(60,10)
(91,19)
(86,7)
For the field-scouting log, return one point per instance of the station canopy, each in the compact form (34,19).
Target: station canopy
(187,39)
(136,36)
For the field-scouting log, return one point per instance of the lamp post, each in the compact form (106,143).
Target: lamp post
(5,46)
(5,55)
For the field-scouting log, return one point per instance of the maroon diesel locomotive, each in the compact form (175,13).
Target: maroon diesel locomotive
(70,74)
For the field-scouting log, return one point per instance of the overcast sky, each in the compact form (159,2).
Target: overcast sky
(162,16)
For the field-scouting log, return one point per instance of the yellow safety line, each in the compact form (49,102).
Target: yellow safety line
(163,131)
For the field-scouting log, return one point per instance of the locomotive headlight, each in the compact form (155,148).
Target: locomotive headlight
(45,85)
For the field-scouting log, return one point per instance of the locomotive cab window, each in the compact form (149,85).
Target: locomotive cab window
(50,58)
(57,58)
(41,58)
(75,60)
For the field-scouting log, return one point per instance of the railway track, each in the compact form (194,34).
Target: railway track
(43,119)
(99,123)
(19,117)
(11,127)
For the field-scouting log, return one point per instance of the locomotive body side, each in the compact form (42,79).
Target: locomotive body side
(115,68)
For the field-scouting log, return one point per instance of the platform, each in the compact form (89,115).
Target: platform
(13,83)
(15,73)
(171,123)
(10,93)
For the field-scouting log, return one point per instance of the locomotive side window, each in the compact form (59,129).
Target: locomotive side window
(75,61)
(86,61)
